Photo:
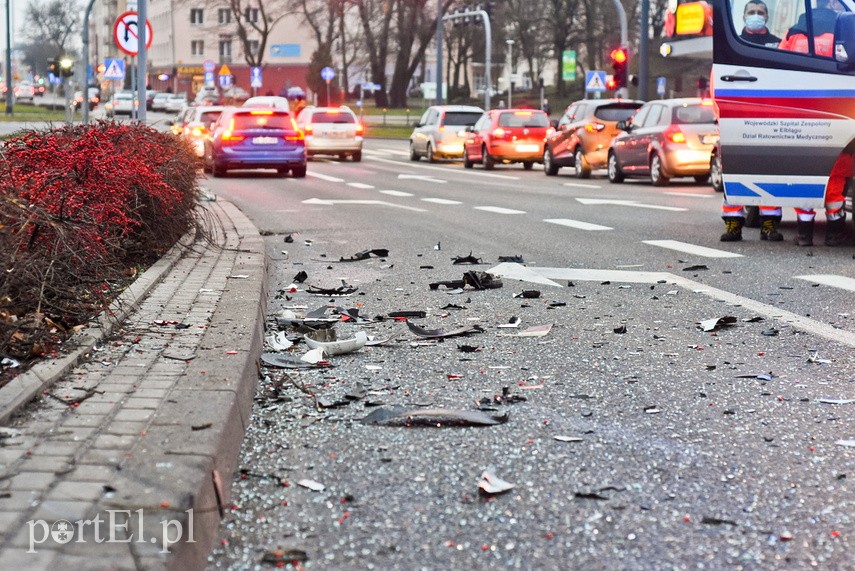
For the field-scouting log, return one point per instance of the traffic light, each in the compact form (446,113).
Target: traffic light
(620,62)
(66,67)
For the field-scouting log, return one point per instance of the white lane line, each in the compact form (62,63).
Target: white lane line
(395,152)
(422,177)
(582,185)
(359,185)
(324,177)
(395,193)
(499,210)
(325,202)
(441,201)
(691,194)
(691,249)
(633,203)
(840,282)
(824,330)
(578,224)
(445,170)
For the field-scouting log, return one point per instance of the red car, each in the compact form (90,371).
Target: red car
(503,136)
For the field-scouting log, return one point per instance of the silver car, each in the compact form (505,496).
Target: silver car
(331,131)
(441,131)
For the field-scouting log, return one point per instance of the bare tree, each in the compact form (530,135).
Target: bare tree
(254,21)
(54,22)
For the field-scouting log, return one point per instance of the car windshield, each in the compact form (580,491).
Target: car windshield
(123,96)
(332,117)
(261,120)
(466,119)
(689,114)
(523,119)
(616,112)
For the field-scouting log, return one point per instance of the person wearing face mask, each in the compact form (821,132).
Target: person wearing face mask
(755,16)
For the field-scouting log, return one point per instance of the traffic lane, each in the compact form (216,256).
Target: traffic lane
(676,456)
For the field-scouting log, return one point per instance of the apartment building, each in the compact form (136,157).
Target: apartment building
(187,33)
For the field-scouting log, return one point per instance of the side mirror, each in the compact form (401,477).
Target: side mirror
(624,126)
(844,41)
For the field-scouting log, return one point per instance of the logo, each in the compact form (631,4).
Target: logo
(62,531)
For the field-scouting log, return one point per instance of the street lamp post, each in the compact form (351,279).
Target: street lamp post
(510,72)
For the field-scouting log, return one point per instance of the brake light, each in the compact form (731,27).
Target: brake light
(197,131)
(296,136)
(594,127)
(675,135)
(227,136)
(261,112)
(522,113)
(499,132)
(359,128)
(309,129)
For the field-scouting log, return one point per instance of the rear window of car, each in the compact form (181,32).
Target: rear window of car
(690,114)
(123,96)
(463,118)
(326,117)
(523,119)
(616,112)
(262,120)
(209,117)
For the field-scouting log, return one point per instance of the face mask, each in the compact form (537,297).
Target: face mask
(755,23)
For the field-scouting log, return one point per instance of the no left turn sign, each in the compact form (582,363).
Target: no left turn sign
(126,33)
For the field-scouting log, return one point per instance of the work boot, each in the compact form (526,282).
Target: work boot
(733,228)
(835,232)
(805,229)
(769,228)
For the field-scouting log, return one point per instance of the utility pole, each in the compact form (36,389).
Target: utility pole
(438,52)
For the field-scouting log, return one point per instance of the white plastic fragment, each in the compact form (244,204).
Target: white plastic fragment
(314,356)
(278,341)
(341,346)
(312,485)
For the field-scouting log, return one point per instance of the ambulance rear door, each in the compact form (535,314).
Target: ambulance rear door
(784,117)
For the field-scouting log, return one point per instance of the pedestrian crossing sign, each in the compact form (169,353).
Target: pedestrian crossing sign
(114,69)
(595,80)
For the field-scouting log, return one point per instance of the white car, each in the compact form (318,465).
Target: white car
(176,102)
(159,101)
(274,101)
(24,91)
(123,103)
(331,131)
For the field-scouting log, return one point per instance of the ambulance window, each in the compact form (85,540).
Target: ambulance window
(820,21)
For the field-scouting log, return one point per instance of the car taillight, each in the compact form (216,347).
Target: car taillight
(675,135)
(296,136)
(359,128)
(499,132)
(197,131)
(309,129)
(229,137)
(594,127)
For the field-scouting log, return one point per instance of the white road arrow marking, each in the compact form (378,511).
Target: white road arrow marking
(325,202)
(578,224)
(421,177)
(633,203)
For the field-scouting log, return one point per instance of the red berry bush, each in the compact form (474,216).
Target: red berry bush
(82,209)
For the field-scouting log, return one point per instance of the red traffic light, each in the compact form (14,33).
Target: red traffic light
(618,55)
(611,84)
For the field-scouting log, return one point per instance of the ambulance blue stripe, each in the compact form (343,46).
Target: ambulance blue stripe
(786,93)
(779,190)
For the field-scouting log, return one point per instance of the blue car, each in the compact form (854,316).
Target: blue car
(254,138)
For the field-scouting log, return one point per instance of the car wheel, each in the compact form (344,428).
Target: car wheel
(342,157)
(657,177)
(218,170)
(414,156)
(582,171)
(357,156)
(716,174)
(431,156)
(487,160)
(702,178)
(549,166)
(615,174)
(467,163)
(527,165)
(299,172)
(282,171)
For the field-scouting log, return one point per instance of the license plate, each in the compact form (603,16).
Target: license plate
(264,141)
(527,148)
(709,139)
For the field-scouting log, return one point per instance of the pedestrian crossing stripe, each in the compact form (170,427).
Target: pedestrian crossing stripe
(115,69)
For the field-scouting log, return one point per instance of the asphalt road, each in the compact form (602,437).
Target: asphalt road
(643,442)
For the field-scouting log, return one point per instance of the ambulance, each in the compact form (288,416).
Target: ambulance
(786,109)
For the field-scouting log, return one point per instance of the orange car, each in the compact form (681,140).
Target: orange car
(503,136)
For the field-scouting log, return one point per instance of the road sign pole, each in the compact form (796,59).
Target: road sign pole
(142,72)
(328,93)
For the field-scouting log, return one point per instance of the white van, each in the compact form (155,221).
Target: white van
(784,116)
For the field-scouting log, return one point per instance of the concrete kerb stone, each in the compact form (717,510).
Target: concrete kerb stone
(191,448)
